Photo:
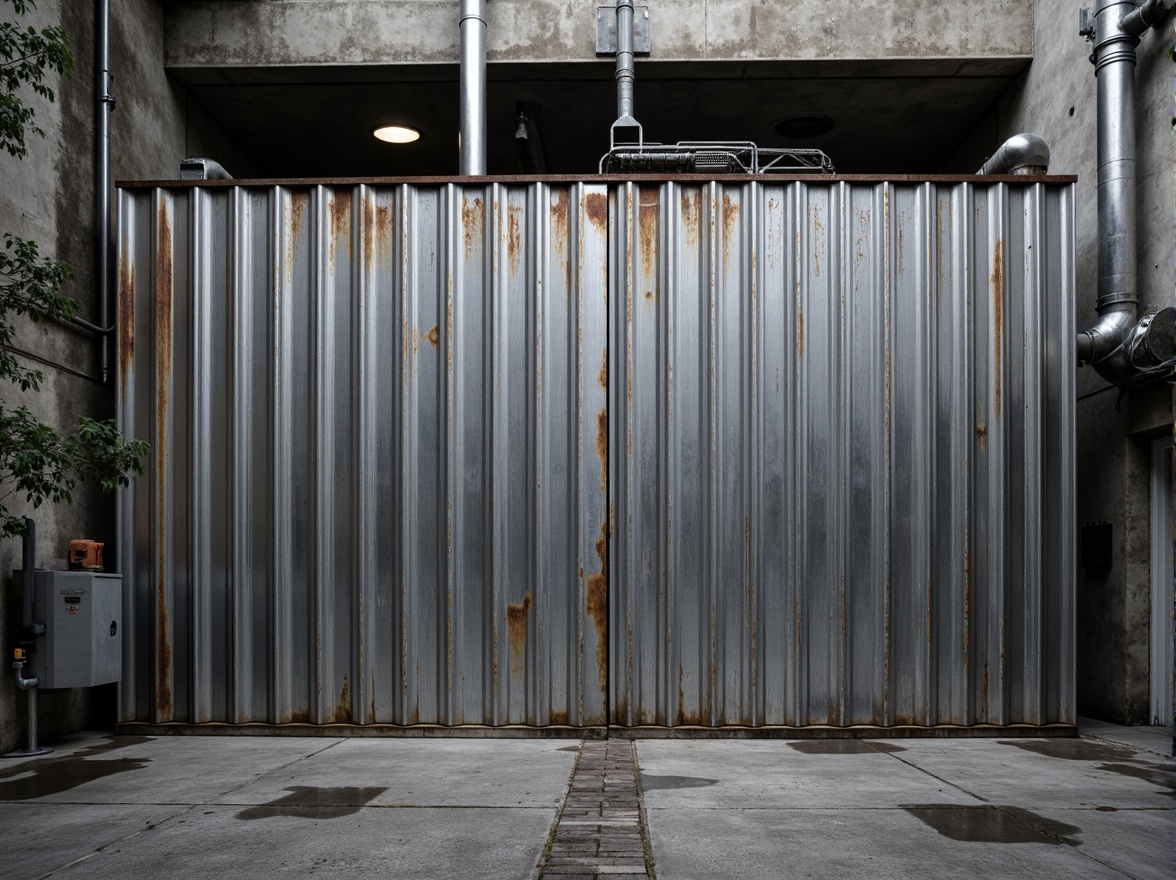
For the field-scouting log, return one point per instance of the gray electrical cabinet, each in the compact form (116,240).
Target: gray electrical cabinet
(82,642)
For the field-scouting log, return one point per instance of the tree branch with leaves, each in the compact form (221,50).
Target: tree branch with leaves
(38,463)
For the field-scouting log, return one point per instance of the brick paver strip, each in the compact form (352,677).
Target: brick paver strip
(600,831)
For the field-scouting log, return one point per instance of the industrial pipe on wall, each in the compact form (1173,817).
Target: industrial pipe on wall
(473,87)
(1116,29)
(1021,154)
(626,129)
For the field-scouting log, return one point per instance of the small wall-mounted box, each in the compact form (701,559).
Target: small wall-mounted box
(82,642)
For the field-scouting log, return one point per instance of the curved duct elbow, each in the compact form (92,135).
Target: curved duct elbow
(1021,154)
(1142,352)
(203,169)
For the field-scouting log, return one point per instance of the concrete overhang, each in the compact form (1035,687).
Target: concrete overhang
(300,85)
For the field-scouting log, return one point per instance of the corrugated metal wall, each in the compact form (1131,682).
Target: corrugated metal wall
(842,471)
(839,489)
(376,486)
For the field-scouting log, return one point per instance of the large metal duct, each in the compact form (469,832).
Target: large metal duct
(473,87)
(1119,347)
(1021,154)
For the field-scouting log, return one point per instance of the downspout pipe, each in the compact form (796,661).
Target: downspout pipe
(1117,26)
(472,147)
(104,102)
(1023,153)
(104,106)
(626,130)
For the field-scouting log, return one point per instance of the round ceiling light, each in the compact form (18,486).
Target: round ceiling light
(804,126)
(396,134)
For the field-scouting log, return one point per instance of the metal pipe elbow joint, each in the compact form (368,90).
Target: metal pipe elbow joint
(21,681)
(1024,153)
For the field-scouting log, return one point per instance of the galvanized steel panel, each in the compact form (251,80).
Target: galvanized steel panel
(376,492)
(814,465)
(842,471)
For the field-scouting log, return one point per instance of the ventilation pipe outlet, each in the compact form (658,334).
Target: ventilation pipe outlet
(1021,154)
(203,169)
(626,131)
(472,139)
(1122,349)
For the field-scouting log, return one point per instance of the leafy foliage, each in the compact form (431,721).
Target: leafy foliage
(27,56)
(36,461)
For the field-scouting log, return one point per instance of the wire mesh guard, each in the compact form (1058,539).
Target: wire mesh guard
(714,157)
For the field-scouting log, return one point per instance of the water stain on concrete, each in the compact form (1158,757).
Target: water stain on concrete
(843,747)
(1071,749)
(1162,776)
(315,802)
(986,823)
(650,782)
(41,777)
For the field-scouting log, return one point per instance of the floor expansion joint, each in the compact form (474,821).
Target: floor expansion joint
(600,832)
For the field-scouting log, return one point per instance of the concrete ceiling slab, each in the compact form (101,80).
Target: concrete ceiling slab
(316,121)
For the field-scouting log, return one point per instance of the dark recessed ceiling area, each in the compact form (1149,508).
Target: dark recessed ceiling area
(318,121)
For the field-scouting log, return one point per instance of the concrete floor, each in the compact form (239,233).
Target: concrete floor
(180,807)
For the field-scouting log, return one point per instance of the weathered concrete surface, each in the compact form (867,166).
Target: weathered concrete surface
(1055,98)
(291,32)
(194,807)
(909,809)
(210,806)
(49,197)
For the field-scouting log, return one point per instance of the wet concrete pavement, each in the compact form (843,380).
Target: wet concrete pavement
(180,807)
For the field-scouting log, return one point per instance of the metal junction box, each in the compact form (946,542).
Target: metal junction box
(82,642)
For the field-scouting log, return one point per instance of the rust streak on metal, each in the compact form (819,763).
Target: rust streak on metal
(339,208)
(434,336)
(818,240)
(559,220)
(472,222)
(126,319)
(343,713)
(518,616)
(558,718)
(647,221)
(730,224)
(602,376)
(602,447)
(997,281)
(513,239)
(800,331)
(597,603)
(596,207)
(690,219)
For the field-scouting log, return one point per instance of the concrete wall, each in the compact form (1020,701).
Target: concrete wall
(354,32)
(49,197)
(1056,99)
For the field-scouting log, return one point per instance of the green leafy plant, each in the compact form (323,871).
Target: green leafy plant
(37,462)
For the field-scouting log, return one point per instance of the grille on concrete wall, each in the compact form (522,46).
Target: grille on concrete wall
(668,453)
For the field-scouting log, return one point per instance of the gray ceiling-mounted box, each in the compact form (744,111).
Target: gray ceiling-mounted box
(82,643)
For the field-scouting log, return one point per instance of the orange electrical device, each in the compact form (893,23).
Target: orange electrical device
(85,555)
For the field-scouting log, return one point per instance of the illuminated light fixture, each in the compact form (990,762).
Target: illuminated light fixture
(396,134)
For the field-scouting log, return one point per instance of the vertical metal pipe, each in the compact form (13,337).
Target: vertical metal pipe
(32,692)
(105,104)
(473,87)
(625,75)
(28,572)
